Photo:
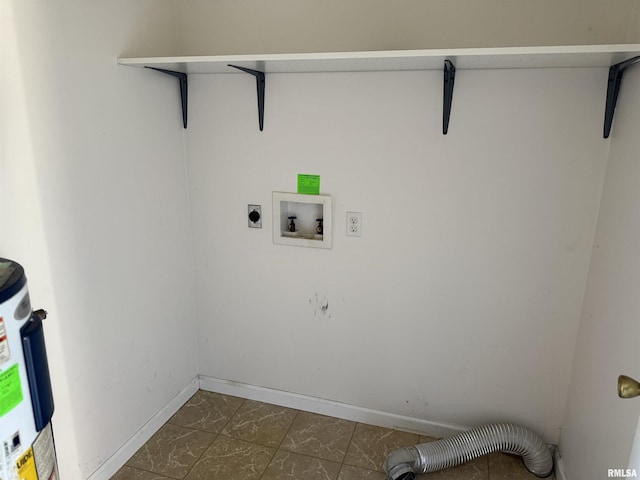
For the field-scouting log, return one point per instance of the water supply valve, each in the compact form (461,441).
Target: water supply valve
(292,225)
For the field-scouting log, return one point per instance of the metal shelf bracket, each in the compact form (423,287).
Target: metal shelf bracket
(449,78)
(260,83)
(613,89)
(182,79)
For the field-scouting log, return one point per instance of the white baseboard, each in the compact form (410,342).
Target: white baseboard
(285,399)
(329,407)
(558,465)
(131,446)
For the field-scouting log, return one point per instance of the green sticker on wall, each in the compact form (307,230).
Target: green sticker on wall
(10,389)
(309,184)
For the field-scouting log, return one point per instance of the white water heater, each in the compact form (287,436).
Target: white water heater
(26,398)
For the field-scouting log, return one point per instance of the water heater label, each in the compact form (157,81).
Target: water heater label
(45,455)
(5,354)
(10,389)
(27,466)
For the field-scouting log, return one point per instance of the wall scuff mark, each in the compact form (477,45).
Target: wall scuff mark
(320,305)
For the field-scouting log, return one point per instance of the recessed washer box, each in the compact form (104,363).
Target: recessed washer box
(307,210)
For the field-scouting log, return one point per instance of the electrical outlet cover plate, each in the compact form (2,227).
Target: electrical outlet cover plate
(354,224)
(250,210)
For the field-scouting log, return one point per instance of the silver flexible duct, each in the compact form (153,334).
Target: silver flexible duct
(403,464)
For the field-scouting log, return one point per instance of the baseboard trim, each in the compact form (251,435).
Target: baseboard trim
(558,465)
(329,407)
(286,399)
(131,446)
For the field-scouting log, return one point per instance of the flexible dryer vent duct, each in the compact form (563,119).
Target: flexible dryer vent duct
(403,464)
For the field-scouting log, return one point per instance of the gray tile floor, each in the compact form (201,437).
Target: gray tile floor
(220,437)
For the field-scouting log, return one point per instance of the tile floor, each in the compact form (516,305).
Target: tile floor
(220,437)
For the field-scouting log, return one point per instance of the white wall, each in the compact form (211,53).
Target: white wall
(634,31)
(93,203)
(468,277)
(599,428)
(461,301)
(207,27)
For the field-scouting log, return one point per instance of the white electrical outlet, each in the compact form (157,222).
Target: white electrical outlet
(354,224)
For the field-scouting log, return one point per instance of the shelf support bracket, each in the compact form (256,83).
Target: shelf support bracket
(182,79)
(613,89)
(260,83)
(449,78)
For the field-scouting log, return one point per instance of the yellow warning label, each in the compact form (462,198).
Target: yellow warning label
(27,466)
